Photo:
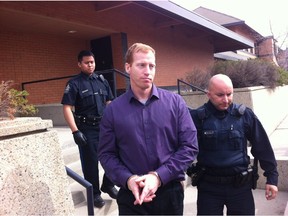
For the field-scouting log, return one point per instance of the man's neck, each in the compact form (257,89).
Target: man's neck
(142,94)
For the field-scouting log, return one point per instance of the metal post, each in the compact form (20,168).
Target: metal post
(87,185)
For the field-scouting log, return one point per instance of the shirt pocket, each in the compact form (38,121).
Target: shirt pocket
(235,139)
(86,98)
(104,94)
(209,138)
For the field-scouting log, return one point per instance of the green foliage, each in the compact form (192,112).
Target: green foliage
(20,103)
(5,98)
(242,73)
(14,102)
(283,79)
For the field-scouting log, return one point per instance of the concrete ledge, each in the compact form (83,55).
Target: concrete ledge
(23,125)
(282,181)
(33,179)
(53,112)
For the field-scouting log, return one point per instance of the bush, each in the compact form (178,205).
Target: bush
(242,73)
(198,77)
(14,102)
(283,80)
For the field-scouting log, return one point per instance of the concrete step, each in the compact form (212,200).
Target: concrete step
(279,206)
(65,137)
(286,209)
(71,154)
(78,193)
(75,167)
(79,196)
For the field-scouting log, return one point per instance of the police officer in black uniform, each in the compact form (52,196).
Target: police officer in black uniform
(88,93)
(223,175)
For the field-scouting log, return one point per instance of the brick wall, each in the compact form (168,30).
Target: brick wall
(35,56)
(30,57)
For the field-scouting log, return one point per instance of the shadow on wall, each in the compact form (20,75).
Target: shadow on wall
(19,182)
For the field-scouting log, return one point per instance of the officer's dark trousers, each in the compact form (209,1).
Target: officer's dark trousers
(89,158)
(212,198)
(168,201)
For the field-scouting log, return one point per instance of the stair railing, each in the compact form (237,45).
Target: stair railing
(113,71)
(193,87)
(87,185)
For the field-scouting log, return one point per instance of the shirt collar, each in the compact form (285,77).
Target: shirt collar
(218,113)
(154,94)
(87,77)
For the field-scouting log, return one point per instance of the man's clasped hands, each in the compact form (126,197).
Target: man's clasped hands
(144,187)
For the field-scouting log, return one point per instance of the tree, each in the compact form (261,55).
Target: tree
(281,48)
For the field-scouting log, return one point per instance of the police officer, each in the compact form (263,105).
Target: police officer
(88,93)
(222,163)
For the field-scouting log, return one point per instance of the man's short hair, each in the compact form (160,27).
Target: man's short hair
(84,53)
(137,47)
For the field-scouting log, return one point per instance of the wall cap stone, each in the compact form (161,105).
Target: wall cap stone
(23,125)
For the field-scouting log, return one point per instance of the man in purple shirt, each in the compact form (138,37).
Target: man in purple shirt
(147,141)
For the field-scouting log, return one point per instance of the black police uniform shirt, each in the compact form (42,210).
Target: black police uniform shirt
(88,94)
(255,133)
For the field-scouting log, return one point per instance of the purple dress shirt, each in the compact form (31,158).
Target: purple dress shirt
(136,138)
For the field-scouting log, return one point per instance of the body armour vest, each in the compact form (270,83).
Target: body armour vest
(222,141)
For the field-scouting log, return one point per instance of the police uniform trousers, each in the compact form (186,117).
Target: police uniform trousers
(168,201)
(89,158)
(212,197)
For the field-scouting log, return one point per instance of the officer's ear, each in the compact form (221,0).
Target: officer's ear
(208,94)
(79,64)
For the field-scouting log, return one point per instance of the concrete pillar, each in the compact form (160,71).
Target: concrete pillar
(33,180)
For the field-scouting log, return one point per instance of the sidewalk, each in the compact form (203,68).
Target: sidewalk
(279,141)
(263,207)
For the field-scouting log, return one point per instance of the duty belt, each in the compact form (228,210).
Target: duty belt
(89,120)
(219,179)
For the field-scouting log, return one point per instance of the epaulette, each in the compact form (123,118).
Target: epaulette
(238,109)
(101,77)
(201,113)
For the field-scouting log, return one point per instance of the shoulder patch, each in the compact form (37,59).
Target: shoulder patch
(67,89)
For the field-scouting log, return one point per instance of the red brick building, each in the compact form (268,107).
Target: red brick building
(264,47)
(41,40)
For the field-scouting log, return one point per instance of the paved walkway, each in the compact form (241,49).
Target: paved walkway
(263,207)
(279,141)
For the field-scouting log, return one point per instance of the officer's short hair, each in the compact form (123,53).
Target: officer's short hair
(84,53)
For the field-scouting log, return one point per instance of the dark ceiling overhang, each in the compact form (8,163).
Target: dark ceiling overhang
(22,21)
(222,38)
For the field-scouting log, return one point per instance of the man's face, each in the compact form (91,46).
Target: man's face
(142,70)
(87,65)
(221,96)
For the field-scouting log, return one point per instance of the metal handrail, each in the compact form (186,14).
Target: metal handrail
(117,71)
(44,80)
(65,77)
(87,185)
(193,87)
